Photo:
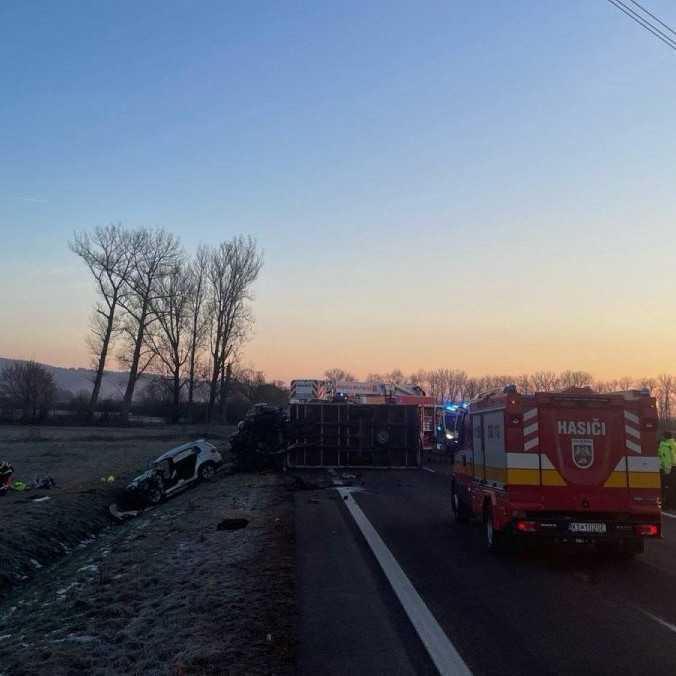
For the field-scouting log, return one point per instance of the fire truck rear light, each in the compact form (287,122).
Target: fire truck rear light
(526,526)
(647,530)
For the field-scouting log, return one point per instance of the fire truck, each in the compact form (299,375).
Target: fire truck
(572,467)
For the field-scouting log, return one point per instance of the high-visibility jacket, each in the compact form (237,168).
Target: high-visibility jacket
(666,460)
(672,443)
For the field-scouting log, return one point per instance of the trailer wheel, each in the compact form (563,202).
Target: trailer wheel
(494,540)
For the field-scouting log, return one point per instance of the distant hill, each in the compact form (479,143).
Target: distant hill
(76,380)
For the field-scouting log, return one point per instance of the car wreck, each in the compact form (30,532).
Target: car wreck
(171,473)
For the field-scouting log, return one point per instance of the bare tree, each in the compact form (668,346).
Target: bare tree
(649,384)
(198,324)
(395,376)
(457,380)
(154,258)
(169,337)
(109,254)
(437,383)
(29,386)
(625,383)
(523,382)
(339,376)
(233,268)
(418,378)
(665,393)
(545,381)
(472,388)
(569,379)
(603,386)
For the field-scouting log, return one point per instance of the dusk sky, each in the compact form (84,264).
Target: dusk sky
(479,185)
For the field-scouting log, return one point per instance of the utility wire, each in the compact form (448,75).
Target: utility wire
(642,21)
(634,16)
(650,14)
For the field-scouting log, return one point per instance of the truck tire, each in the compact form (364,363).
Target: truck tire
(461,512)
(495,541)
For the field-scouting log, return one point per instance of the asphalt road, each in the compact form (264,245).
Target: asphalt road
(527,613)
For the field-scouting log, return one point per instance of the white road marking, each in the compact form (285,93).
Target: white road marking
(659,620)
(434,471)
(671,516)
(443,653)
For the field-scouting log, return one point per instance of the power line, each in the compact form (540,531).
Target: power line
(650,14)
(644,23)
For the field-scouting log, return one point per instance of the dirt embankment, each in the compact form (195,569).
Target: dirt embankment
(35,534)
(172,592)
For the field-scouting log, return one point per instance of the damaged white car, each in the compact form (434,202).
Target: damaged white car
(172,472)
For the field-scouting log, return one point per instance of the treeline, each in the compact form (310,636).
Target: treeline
(160,310)
(456,385)
(28,394)
(246,387)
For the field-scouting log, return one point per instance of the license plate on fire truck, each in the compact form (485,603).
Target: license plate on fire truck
(593,528)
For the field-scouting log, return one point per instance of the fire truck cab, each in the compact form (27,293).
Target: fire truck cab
(574,467)
(449,421)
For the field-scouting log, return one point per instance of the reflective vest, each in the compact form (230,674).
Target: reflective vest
(665,452)
(672,444)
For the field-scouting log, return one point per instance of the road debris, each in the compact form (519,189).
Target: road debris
(232,524)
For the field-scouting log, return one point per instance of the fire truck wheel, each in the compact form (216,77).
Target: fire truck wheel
(494,540)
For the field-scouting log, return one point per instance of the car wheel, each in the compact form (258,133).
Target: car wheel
(155,495)
(207,471)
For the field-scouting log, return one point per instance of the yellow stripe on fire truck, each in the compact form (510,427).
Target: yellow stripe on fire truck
(525,469)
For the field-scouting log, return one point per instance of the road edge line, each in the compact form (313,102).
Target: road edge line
(657,618)
(441,650)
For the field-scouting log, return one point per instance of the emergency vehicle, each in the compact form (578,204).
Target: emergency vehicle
(449,418)
(308,389)
(573,466)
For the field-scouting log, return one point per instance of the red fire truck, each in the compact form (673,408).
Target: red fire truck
(573,466)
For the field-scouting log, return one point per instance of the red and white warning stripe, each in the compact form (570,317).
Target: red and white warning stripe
(531,433)
(632,432)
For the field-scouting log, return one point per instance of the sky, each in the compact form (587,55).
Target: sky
(483,185)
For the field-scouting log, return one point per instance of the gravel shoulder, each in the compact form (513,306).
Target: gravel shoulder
(168,592)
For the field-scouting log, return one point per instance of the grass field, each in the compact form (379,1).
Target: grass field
(167,593)
(36,533)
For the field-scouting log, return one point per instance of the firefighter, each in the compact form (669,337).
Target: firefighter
(666,455)
(671,497)
(6,471)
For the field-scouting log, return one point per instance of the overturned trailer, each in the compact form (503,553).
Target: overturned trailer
(331,434)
